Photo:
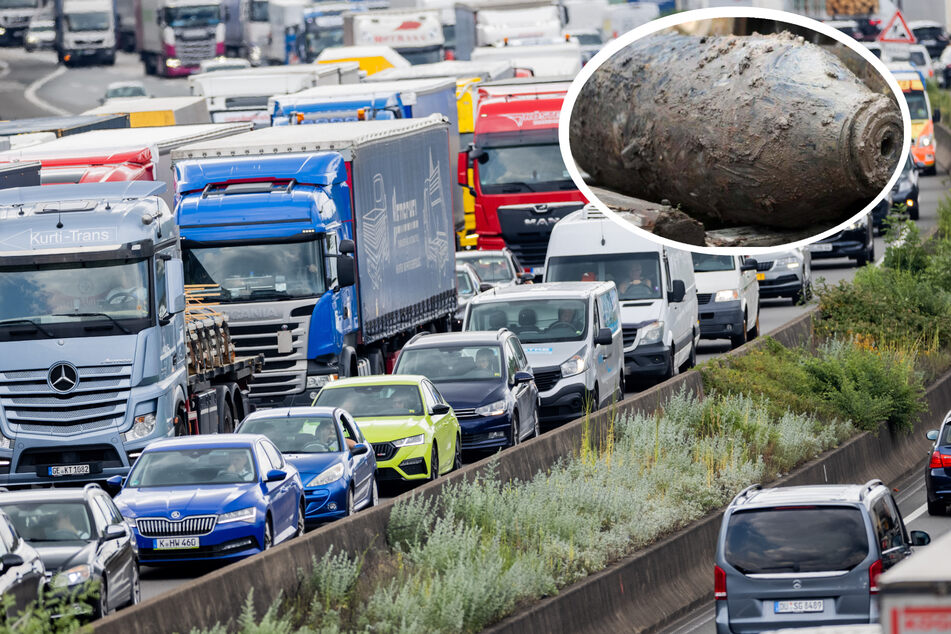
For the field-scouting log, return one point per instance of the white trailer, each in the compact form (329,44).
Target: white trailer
(544,60)
(486,22)
(416,34)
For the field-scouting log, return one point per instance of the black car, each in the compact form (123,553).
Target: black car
(905,192)
(82,540)
(485,377)
(22,575)
(938,470)
(856,241)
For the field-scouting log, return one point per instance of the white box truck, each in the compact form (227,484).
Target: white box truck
(85,32)
(416,34)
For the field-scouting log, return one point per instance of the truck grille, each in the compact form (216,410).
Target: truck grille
(188,527)
(528,253)
(630,334)
(104,456)
(704,298)
(526,228)
(98,400)
(284,373)
(546,378)
(192,52)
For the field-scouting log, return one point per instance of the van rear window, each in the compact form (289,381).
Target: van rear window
(817,539)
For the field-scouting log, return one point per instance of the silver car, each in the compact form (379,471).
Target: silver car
(785,274)
(499,268)
(468,285)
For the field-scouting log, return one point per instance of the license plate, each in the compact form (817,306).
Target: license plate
(538,270)
(176,543)
(797,607)
(820,247)
(761,276)
(69,469)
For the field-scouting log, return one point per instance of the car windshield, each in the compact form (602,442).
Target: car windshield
(125,91)
(463,284)
(637,275)
(61,521)
(41,27)
(192,16)
(587,39)
(452,363)
(489,268)
(193,467)
(259,11)
(533,320)
(262,272)
(928,32)
(799,540)
(523,168)
(87,21)
(917,106)
(917,58)
(363,401)
(297,434)
(706,262)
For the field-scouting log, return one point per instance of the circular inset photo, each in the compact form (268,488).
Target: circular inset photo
(735,128)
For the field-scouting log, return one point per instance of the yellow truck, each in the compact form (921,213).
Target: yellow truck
(146,112)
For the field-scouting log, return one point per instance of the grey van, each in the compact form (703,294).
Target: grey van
(804,556)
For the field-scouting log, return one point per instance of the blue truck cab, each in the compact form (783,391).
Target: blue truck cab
(92,349)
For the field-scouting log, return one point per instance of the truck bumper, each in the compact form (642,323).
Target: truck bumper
(302,399)
(647,361)
(721,321)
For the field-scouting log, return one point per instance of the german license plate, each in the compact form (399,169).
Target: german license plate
(69,469)
(761,276)
(176,543)
(798,607)
(820,247)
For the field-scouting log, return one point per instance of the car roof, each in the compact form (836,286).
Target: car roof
(378,379)
(73,494)
(125,83)
(291,412)
(752,498)
(474,253)
(471,337)
(205,441)
(546,290)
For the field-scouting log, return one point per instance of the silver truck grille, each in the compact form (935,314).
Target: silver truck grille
(190,526)
(99,399)
(195,51)
(284,373)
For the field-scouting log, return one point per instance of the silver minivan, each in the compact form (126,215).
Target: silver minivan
(571,334)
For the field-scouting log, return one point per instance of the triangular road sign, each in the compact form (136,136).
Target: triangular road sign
(897,31)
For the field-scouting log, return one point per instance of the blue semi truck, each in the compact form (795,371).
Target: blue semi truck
(98,351)
(326,246)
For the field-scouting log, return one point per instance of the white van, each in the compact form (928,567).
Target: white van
(728,294)
(571,334)
(658,304)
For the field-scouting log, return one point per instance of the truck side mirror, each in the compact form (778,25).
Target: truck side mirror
(677,292)
(462,168)
(347,246)
(175,285)
(346,271)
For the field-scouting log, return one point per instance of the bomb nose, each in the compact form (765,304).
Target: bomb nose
(875,143)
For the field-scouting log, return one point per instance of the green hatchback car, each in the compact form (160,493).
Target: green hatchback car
(414,432)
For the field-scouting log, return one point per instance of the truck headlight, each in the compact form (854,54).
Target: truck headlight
(652,333)
(2,30)
(574,365)
(492,409)
(173,62)
(925,140)
(142,427)
(327,476)
(728,295)
(31,39)
(418,439)
(242,515)
(73,576)
(5,443)
(313,382)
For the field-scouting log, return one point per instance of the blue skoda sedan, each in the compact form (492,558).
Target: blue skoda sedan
(220,497)
(327,447)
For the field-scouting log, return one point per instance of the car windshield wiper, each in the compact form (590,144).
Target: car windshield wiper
(109,317)
(25,320)
(508,187)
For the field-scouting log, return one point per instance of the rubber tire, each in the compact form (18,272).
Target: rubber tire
(374,494)
(915,213)
(457,456)
(102,604)
(268,534)
(349,509)
(672,369)
(754,331)
(301,520)
(135,592)
(937,509)
(516,431)
(226,426)
(180,421)
(691,358)
(738,340)
(434,463)
(537,428)
(594,398)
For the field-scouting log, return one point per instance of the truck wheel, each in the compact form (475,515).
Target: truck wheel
(180,421)
(110,59)
(226,422)
(936,508)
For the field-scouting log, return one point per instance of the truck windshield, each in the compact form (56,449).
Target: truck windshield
(534,320)
(185,17)
(257,272)
(88,21)
(259,11)
(917,106)
(428,55)
(637,275)
(706,262)
(19,4)
(54,299)
(523,168)
(320,33)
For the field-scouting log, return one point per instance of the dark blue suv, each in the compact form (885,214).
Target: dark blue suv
(485,377)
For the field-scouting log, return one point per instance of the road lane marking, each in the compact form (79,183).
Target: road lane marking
(918,512)
(31,96)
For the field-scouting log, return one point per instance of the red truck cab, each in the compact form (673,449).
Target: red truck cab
(519,180)
(121,165)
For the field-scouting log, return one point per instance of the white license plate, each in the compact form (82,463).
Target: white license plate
(797,607)
(69,469)
(820,247)
(176,543)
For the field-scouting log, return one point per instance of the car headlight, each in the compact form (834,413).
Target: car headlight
(2,30)
(925,140)
(241,515)
(72,576)
(418,439)
(142,427)
(327,476)
(574,365)
(313,382)
(787,262)
(857,225)
(651,333)
(728,295)
(31,39)
(492,409)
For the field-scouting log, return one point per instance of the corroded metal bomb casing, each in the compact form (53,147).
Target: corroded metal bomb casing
(766,130)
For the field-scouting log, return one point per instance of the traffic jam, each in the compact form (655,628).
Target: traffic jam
(352,261)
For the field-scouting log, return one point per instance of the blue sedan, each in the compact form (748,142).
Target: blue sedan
(327,447)
(220,497)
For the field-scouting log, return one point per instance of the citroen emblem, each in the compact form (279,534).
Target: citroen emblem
(63,377)
(176,515)
(797,585)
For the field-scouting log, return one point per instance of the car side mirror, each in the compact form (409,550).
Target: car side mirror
(115,483)
(523,377)
(346,271)
(920,538)
(359,449)
(749,265)
(439,409)
(677,292)
(604,337)
(10,560)
(113,531)
(932,435)
(275,475)
(936,116)
(485,286)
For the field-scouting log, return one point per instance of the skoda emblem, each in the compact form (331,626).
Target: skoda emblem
(63,377)
(176,515)
(797,585)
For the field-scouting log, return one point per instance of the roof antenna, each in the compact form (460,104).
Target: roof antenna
(59,221)
(108,206)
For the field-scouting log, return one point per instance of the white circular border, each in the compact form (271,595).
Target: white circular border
(707,14)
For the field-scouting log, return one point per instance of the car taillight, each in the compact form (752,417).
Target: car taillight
(939,460)
(873,572)
(719,583)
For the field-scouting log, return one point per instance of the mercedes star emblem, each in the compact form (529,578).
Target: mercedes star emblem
(63,377)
